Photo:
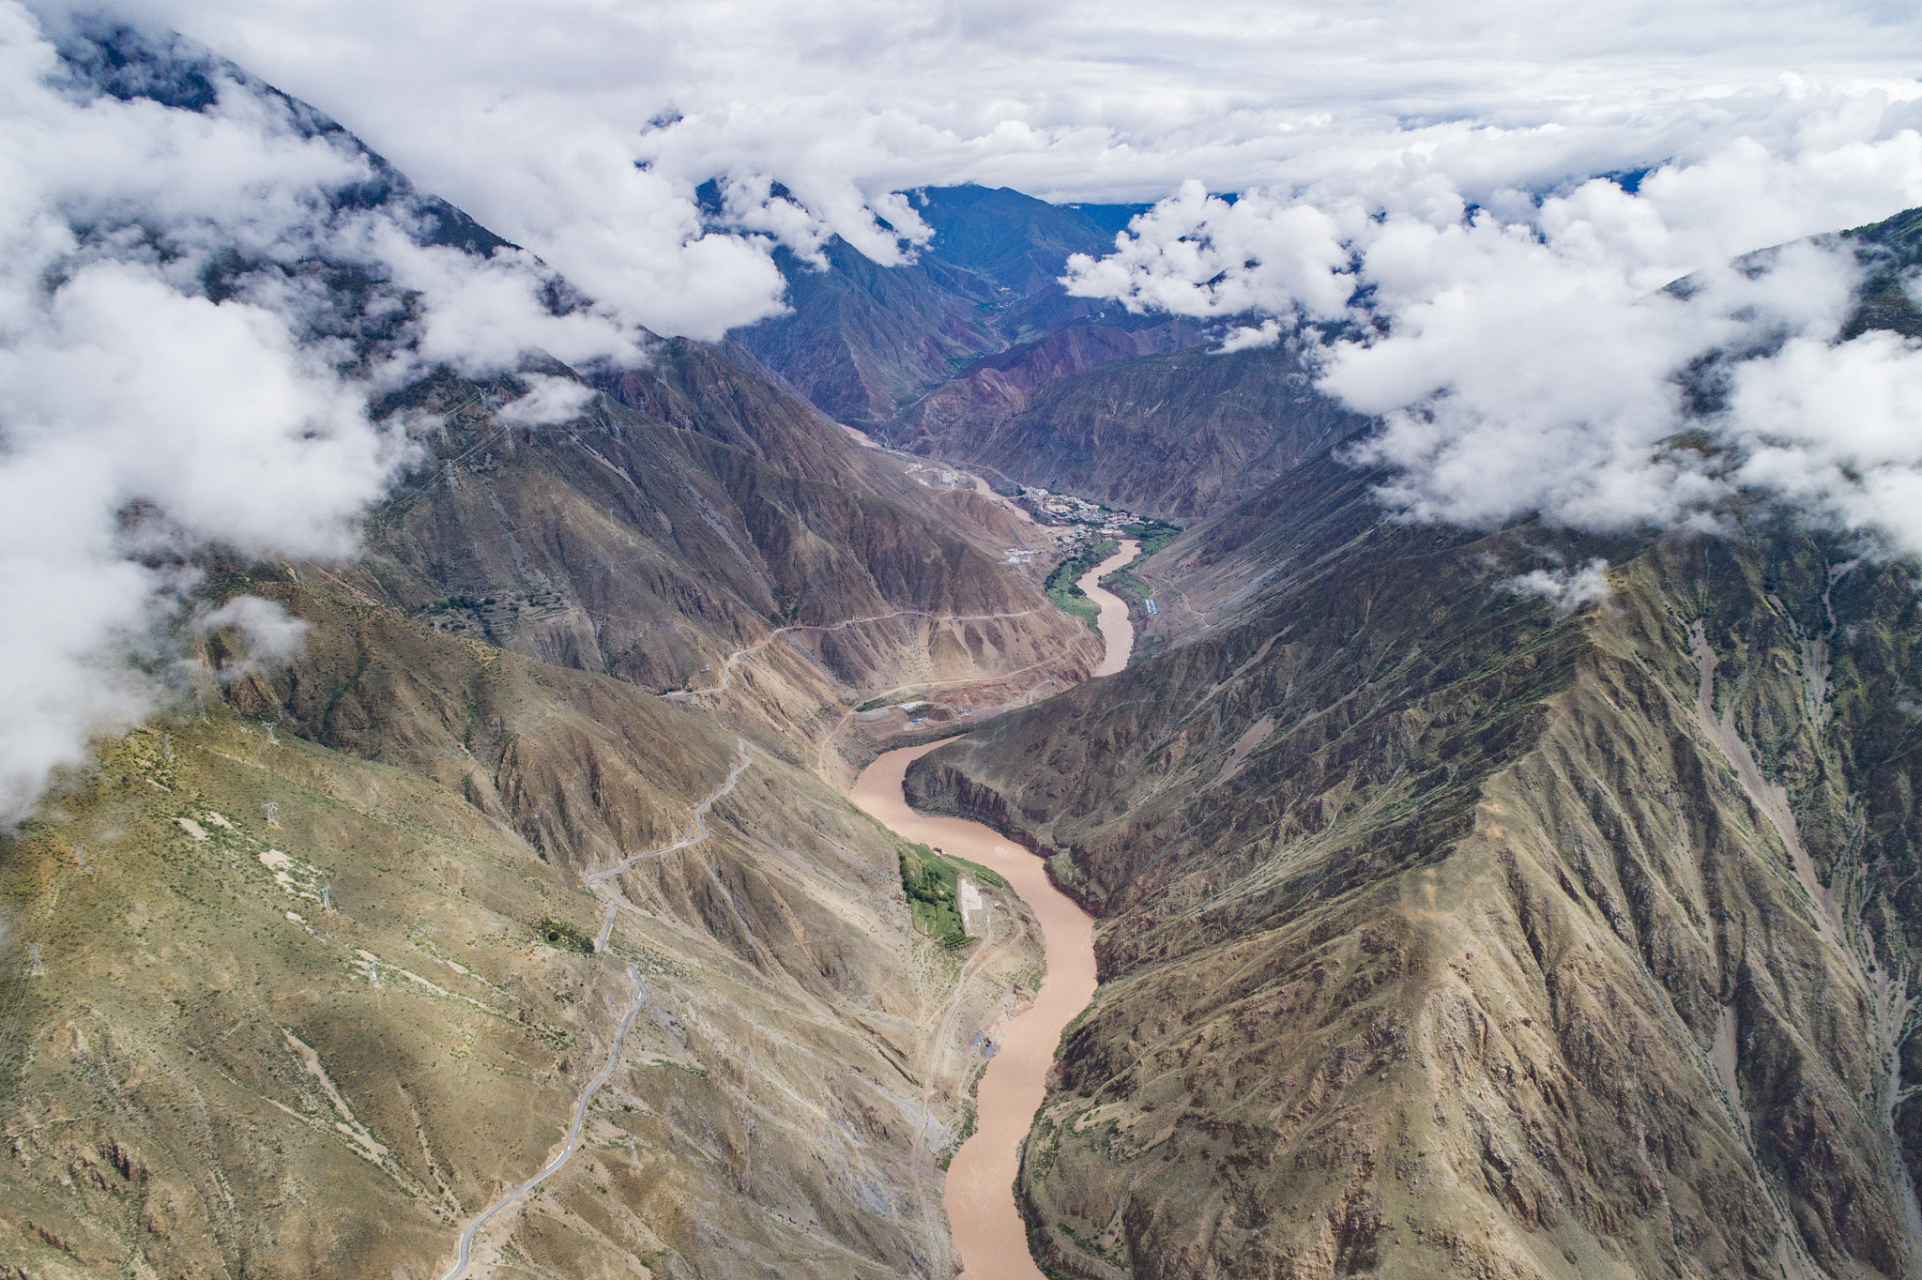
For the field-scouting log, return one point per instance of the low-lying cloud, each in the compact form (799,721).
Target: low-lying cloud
(1566,589)
(1525,356)
(582,130)
(180,368)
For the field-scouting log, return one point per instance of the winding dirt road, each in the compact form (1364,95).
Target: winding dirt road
(727,670)
(464,1254)
(598,878)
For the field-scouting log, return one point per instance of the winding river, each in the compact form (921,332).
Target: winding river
(988,1228)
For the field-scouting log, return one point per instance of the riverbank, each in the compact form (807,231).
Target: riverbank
(1117,632)
(987,1227)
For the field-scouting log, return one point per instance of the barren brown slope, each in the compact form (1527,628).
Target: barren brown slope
(621,543)
(1445,935)
(317,1041)
(1181,434)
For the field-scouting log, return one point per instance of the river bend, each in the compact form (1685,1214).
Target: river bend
(988,1229)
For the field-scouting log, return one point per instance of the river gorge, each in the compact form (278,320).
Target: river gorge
(988,1229)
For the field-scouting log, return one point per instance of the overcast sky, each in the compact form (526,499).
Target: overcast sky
(531,115)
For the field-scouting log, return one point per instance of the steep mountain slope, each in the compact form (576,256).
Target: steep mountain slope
(690,515)
(317,1039)
(863,338)
(1100,413)
(654,547)
(1448,932)
(1443,934)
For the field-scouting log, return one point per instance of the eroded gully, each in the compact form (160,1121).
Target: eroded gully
(988,1229)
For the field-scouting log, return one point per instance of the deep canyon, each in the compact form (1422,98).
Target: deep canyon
(734,828)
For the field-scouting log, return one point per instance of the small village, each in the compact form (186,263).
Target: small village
(1076,522)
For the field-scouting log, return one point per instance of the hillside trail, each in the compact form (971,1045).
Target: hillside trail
(734,659)
(464,1252)
(985,1222)
(595,880)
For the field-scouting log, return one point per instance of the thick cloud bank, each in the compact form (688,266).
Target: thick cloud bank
(173,330)
(582,129)
(1524,356)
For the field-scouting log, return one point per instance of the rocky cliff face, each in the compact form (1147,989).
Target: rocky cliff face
(1443,933)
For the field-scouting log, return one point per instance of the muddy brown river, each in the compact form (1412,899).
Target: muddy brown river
(988,1230)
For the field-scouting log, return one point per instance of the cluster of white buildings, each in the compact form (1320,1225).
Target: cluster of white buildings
(1085,517)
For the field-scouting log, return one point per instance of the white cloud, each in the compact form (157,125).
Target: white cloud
(272,637)
(532,117)
(1837,430)
(1249,336)
(171,373)
(1190,254)
(1524,357)
(1566,589)
(549,399)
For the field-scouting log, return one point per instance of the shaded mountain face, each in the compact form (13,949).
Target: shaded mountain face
(1889,252)
(1446,932)
(862,341)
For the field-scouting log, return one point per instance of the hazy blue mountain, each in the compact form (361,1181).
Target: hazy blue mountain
(864,341)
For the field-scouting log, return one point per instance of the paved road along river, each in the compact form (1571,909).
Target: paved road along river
(988,1230)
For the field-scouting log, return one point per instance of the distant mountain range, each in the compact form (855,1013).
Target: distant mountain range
(976,354)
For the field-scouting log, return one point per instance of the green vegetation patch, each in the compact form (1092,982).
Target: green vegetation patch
(1070,598)
(931,880)
(890,700)
(1153,535)
(564,936)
